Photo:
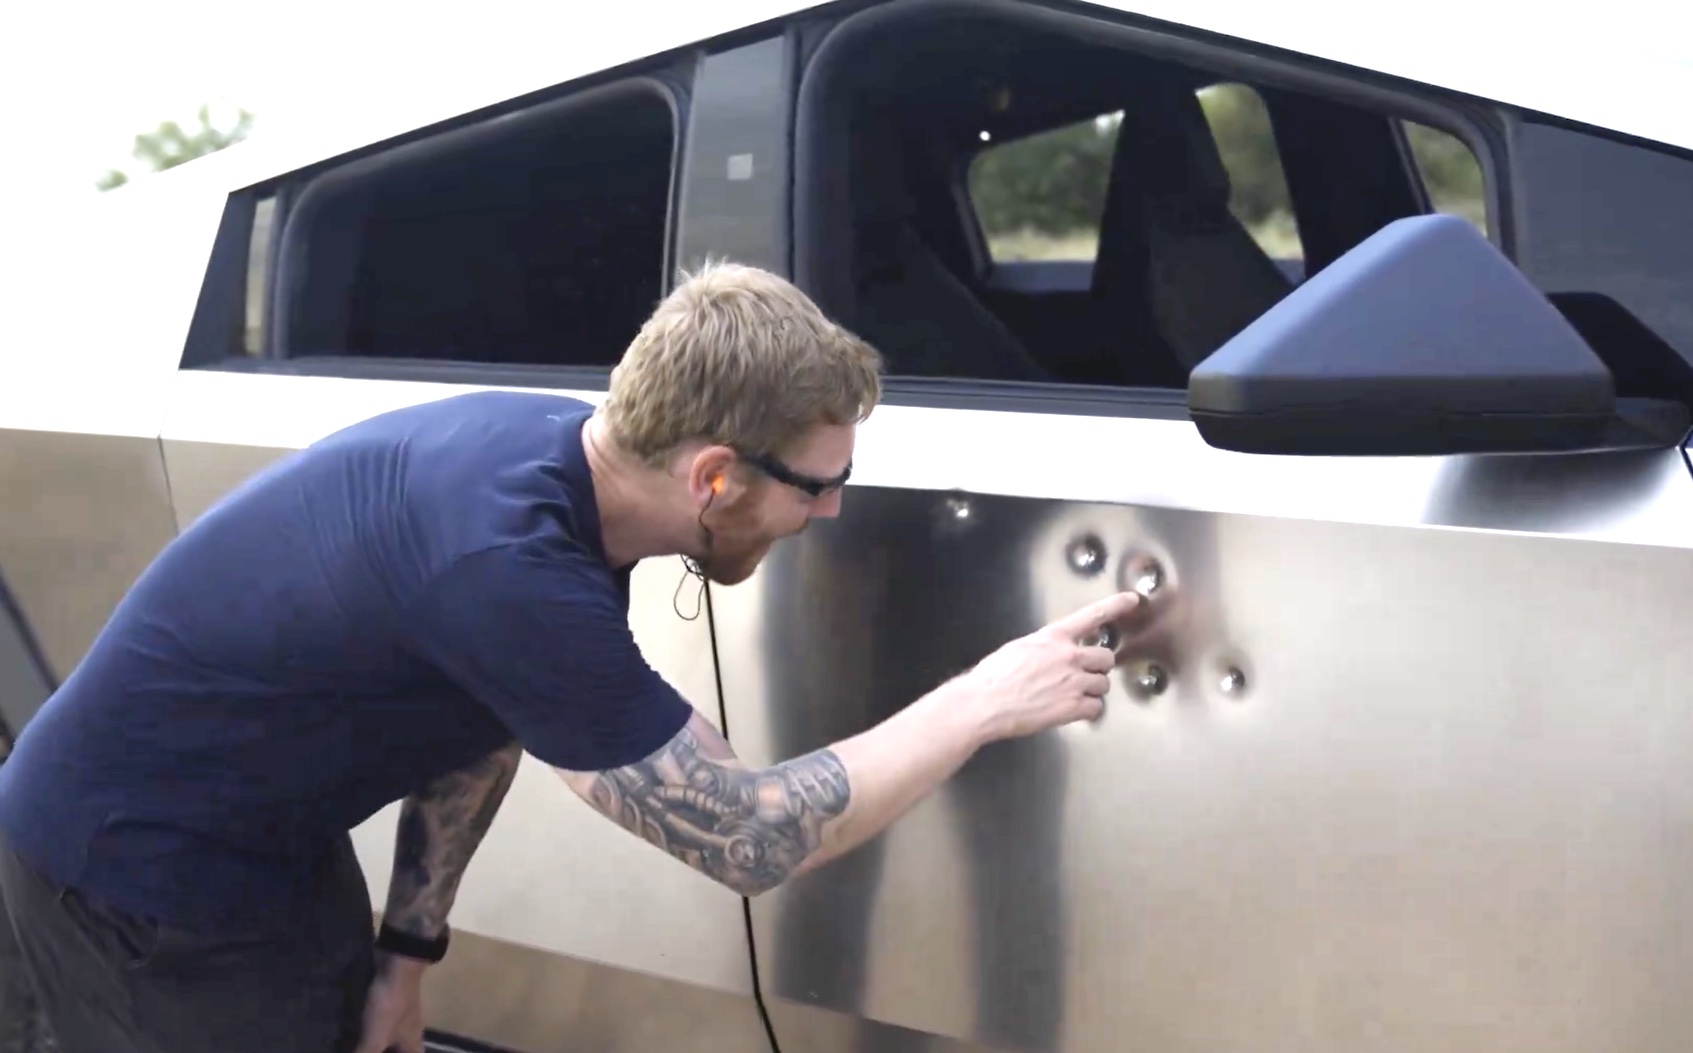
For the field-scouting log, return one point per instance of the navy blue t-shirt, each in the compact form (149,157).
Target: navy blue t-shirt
(367,614)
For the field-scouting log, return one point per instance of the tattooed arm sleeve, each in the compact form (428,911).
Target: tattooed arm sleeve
(440,828)
(748,830)
(752,829)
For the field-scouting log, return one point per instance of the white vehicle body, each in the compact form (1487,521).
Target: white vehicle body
(1452,806)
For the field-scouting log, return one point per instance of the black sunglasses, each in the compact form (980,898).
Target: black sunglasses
(780,472)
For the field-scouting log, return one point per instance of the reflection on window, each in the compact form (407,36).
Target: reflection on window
(258,259)
(1451,173)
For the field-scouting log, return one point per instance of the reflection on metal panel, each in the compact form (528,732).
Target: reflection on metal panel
(1402,789)
(552,875)
(807,1029)
(84,515)
(24,682)
(512,997)
(202,473)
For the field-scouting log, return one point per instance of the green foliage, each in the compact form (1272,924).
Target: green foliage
(1241,125)
(1450,171)
(170,144)
(1052,185)
(1053,182)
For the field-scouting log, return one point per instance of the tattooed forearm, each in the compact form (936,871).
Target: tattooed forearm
(440,827)
(747,830)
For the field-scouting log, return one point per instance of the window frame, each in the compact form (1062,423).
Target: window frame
(1478,123)
(215,333)
(216,341)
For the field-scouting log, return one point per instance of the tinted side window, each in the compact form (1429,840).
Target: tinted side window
(1596,216)
(540,238)
(1136,212)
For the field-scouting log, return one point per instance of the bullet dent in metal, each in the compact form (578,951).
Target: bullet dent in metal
(1151,680)
(1233,682)
(1086,555)
(1148,579)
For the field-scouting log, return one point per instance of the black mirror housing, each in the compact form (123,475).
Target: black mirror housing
(1423,340)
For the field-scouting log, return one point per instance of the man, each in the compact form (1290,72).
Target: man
(398,611)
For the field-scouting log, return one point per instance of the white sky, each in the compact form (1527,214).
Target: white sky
(79,79)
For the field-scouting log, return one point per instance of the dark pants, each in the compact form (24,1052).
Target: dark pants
(112,983)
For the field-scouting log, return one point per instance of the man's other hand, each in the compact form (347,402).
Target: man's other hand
(393,1011)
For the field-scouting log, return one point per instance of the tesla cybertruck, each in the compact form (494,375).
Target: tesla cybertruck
(1366,355)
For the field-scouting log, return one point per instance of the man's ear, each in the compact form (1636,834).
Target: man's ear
(710,475)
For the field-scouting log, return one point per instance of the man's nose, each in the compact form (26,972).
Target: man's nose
(828,506)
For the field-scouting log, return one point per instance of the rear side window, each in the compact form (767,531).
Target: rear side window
(1607,227)
(537,239)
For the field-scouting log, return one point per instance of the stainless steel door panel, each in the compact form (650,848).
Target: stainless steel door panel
(201,473)
(82,516)
(1447,804)
(553,879)
(516,998)
(24,682)
(807,1029)
(1639,497)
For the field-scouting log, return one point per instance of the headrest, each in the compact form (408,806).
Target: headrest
(1167,152)
(876,177)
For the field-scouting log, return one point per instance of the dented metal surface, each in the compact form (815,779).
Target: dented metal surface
(1397,758)
(1409,834)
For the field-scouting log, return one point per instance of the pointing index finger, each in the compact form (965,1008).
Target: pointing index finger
(1089,619)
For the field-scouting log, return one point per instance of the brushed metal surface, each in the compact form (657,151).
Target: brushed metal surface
(513,997)
(83,515)
(552,875)
(807,1029)
(1451,809)
(1641,497)
(23,682)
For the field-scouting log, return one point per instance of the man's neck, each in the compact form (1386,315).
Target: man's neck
(638,517)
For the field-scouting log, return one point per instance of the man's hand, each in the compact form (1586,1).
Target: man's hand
(393,1011)
(1055,675)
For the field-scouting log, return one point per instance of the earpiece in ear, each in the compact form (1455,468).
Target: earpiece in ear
(717,484)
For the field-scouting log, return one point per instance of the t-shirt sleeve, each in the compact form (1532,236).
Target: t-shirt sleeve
(544,642)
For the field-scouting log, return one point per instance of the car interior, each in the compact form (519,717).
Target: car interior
(886,239)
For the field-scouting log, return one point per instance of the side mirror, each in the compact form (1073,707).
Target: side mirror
(1423,340)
